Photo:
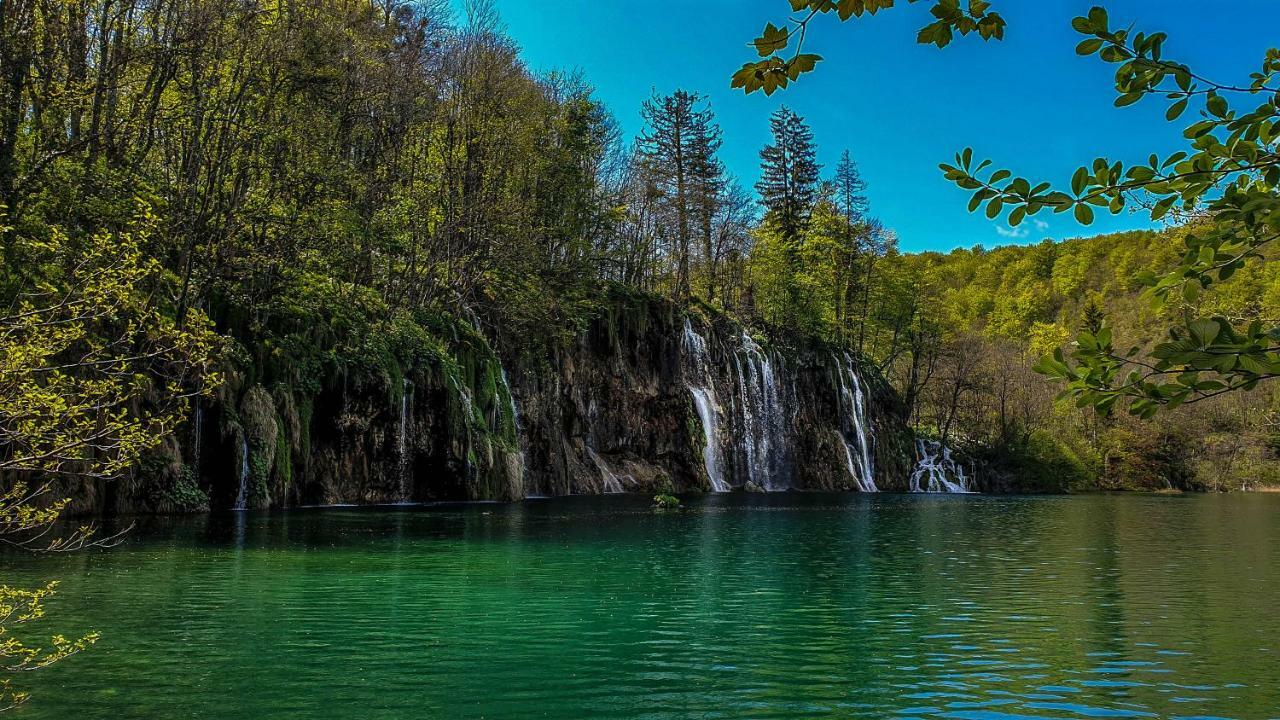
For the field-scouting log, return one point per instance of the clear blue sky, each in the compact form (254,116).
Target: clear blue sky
(1029,103)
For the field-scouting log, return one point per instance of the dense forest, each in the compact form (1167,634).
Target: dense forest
(988,315)
(283,192)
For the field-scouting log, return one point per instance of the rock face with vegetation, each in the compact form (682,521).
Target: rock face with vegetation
(650,397)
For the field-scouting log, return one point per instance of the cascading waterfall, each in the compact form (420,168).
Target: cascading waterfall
(612,483)
(936,469)
(519,459)
(853,420)
(761,416)
(242,496)
(704,399)
(403,442)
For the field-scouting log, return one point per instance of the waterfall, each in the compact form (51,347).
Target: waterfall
(936,468)
(197,435)
(464,394)
(403,441)
(762,421)
(511,403)
(704,399)
(242,496)
(612,483)
(853,420)
(519,459)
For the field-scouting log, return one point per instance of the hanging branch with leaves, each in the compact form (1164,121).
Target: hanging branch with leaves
(781,47)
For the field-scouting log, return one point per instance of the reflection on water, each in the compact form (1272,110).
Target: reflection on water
(966,608)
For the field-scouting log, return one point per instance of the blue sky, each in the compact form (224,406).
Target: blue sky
(1029,103)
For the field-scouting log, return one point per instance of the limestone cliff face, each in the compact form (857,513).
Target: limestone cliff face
(650,397)
(659,398)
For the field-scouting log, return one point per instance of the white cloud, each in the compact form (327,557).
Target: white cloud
(1022,232)
(1011,232)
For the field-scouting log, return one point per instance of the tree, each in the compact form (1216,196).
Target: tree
(775,71)
(709,194)
(863,236)
(1225,186)
(93,373)
(789,174)
(850,191)
(736,214)
(678,148)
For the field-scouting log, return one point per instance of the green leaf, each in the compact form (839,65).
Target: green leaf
(1217,105)
(1128,99)
(773,40)
(1089,47)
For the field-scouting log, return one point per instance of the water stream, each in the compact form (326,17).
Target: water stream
(704,399)
(405,469)
(853,421)
(612,483)
(763,436)
(937,471)
(242,495)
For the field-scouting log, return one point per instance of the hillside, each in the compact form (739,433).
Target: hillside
(991,313)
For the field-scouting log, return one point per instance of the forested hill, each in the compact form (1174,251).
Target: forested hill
(315,215)
(987,315)
(316,239)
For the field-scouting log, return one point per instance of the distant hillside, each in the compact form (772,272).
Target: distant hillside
(998,310)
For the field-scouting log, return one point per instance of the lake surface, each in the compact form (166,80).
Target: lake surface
(800,606)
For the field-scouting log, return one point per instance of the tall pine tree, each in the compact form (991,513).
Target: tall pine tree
(863,239)
(678,150)
(850,191)
(709,195)
(788,184)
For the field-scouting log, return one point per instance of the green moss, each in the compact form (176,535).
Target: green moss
(184,495)
(283,459)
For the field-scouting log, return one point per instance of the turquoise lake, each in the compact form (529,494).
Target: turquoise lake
(766,606)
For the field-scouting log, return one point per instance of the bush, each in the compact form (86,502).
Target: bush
(666,502)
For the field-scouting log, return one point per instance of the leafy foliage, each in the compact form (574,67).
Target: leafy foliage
(27,518)
(1226,186)
(92,371)
(776,71)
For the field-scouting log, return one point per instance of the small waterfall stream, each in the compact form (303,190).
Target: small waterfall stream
(405,463)
(853,420)
(197,434)
(612,483)
(516,428)
(936,470)
(242,495)
(704,399)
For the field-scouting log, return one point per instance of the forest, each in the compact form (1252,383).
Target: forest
(313,187)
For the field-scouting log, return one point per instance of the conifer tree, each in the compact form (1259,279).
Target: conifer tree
(850,191)
(709,194)
(788,184)
(678,149)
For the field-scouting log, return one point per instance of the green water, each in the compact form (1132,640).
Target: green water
(968,608)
